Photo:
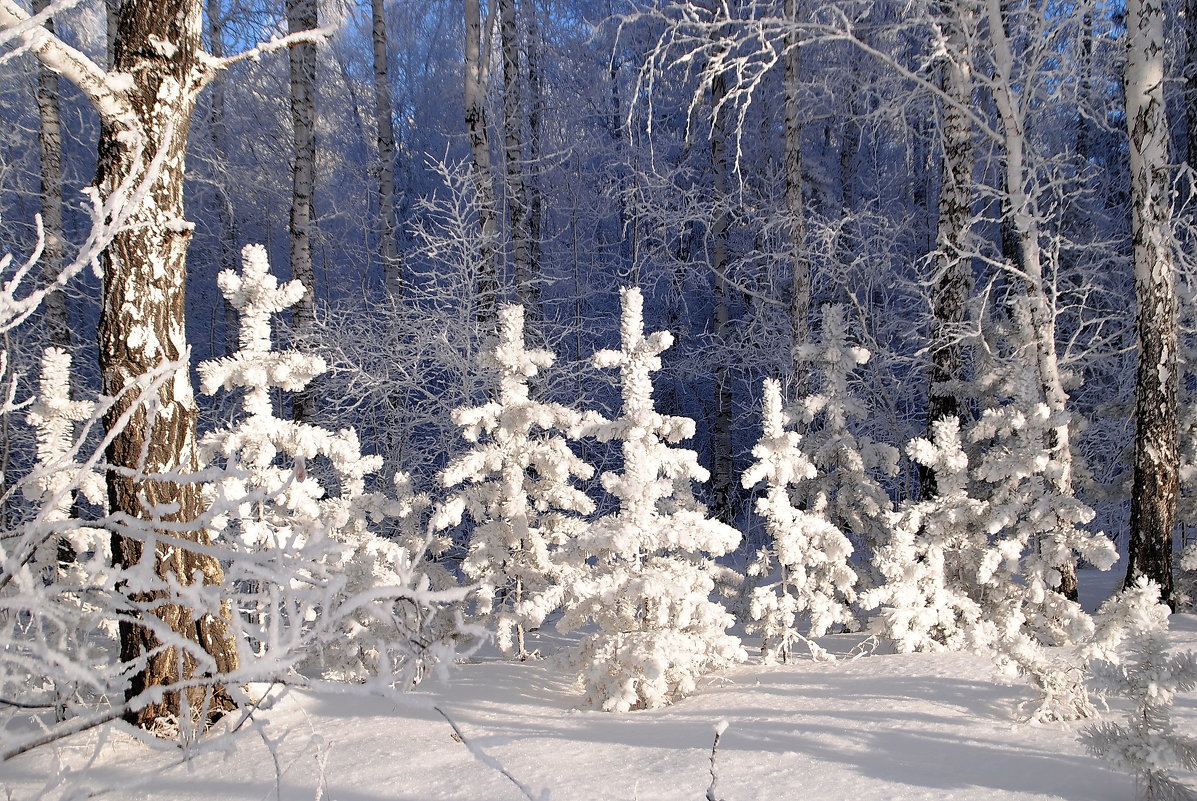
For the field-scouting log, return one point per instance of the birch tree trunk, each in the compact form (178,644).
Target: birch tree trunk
(796,214)
(302,16)
(476,79)
(392,264)
(535,133)
(513,158)
(49,137)
(721,448)
(953,268)
(1156,467)
(1022,218)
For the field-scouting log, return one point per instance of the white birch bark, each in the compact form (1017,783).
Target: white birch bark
(476,80)
(1022,217)
(302,16)
(49,137)
(384,105)
(952,280)
(1156,466)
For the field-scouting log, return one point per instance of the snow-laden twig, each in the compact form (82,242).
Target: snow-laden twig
(488,760)
(720,728)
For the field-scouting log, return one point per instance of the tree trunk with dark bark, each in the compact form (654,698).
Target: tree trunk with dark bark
(141,328)
(1157,462)
(476,77)
(953,269)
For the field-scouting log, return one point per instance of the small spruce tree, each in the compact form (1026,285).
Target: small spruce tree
(924,600)
(365,598)
(516,485)
(1148,745)
(809,552)
(643,574)
(845,484)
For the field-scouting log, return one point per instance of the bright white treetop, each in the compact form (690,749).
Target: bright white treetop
(516,485)
(644,574)
(810,552)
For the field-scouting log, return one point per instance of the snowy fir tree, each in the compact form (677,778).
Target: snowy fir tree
(1148,745)
(810,554)
(845,483)
(1033,528)
(643,575)
(365,598)
(928,565)
(516,485)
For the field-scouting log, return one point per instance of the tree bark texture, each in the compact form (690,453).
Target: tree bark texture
(141,327)
(721,447)
(476,79)
(518,211)
(226,220)
(49,137)
(1022,218)
(799,309)
(1156,467)
(953,269)
(302,16)
(384,106)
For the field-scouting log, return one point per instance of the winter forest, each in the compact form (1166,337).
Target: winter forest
(598,399)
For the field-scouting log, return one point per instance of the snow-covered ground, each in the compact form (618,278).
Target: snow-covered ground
(918,726)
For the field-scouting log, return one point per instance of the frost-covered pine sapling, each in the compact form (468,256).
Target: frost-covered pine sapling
(329,592)
(1147,746)
(809,552)
(516,485)
(924,599)
(643,574)
(846,463)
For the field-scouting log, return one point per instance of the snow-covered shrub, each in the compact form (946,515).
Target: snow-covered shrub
(516,487)
(809,552)
(846,464)
(1147,746)
(929,562)
(643,574)
(369,607)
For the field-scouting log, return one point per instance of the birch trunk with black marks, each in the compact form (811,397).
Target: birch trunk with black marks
(1156,467)
(476,79)
(302,16)
(49,138)
(513,159)
(384,106)
(952,279)
(226,219)
(1021,216)
(795,212)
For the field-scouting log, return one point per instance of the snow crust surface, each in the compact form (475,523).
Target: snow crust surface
(897,727)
